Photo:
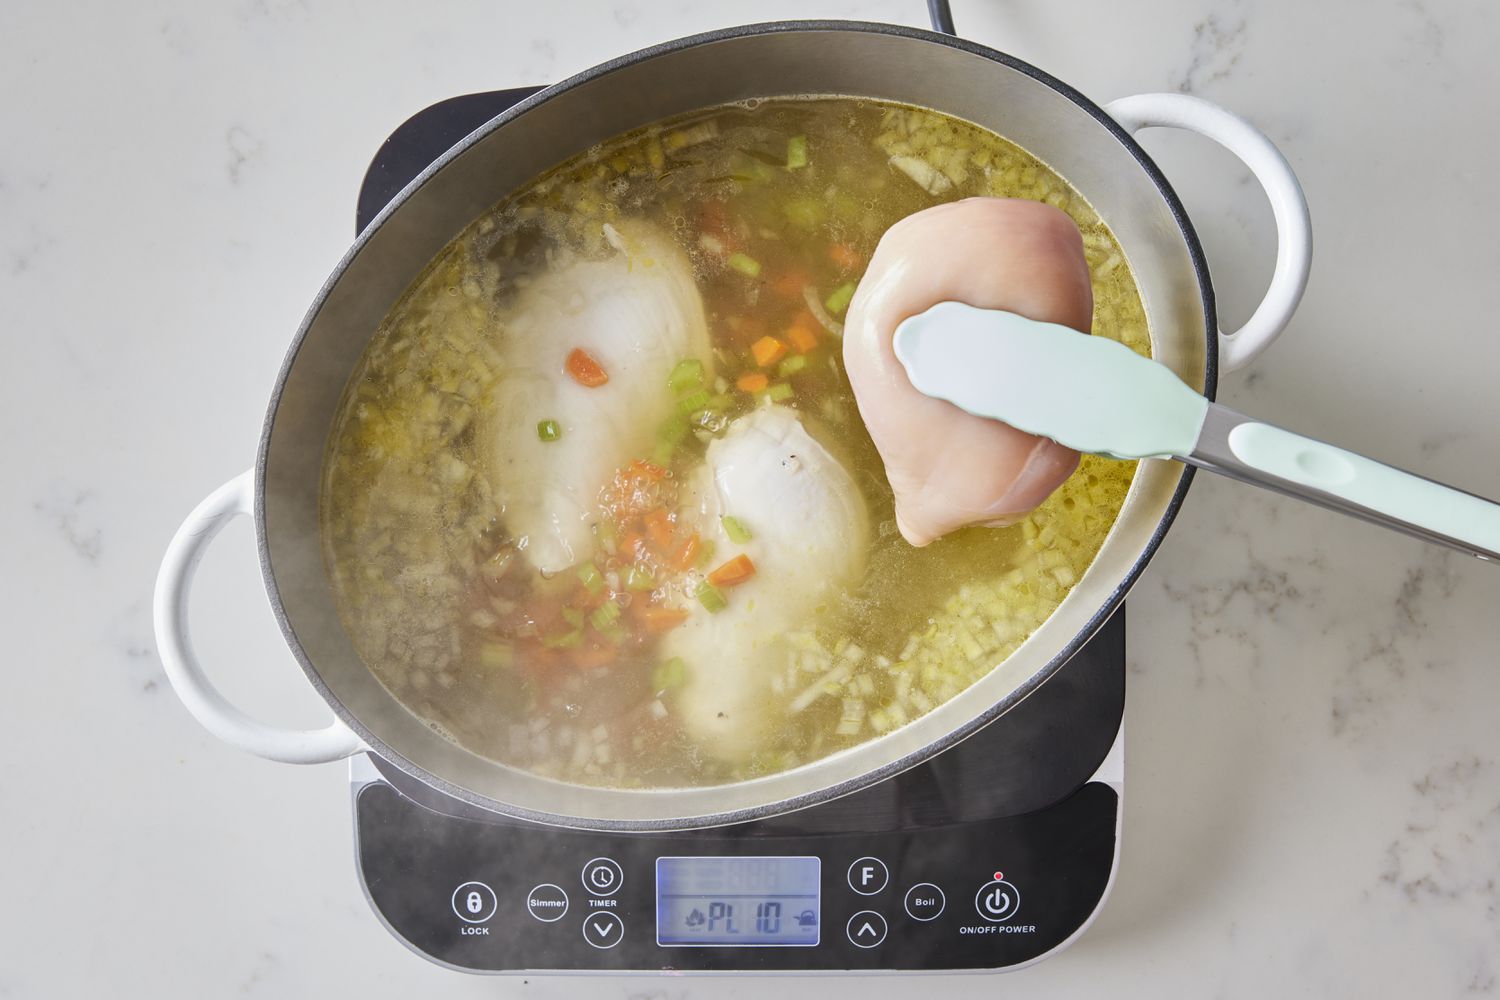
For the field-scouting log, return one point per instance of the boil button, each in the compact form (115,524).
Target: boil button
(924,901)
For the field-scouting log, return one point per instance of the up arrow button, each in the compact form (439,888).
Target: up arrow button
(866,929)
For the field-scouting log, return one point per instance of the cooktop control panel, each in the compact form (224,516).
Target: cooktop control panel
(975,895)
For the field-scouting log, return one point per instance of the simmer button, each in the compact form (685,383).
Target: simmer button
(547,903)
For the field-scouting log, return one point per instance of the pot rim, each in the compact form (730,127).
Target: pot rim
(827,792)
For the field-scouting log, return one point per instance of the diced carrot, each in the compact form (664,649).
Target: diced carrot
(844,256)
(584,369)
(649,470)
(687,553)
(767,351)
(592,655)
(790,284)
(733,573)
(658,620)
(633,544)
(802,334)
(752,382)
(711,218)
(538,659)
(659,527)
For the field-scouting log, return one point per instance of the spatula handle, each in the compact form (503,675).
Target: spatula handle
(1237,446)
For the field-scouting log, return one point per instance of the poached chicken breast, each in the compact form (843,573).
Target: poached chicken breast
(947,468)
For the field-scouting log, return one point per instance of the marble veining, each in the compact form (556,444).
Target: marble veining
(69,510)
(1218,41)
(1313,763)
(244,150)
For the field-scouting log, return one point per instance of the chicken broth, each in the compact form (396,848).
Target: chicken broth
(597,501)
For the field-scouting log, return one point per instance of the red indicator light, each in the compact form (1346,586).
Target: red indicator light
(999,876)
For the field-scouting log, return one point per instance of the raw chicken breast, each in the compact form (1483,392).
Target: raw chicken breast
(811,533)
(637,313)
(949,468)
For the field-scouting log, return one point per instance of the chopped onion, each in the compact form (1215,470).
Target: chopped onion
(815,306)
(927,177)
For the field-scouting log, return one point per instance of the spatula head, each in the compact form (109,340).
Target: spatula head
(1089,393)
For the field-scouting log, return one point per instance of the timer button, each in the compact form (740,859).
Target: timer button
(547,902)
(997,901)
(866,929)
(474,902)
(924,901)
(603,929)
(602,876)
(867,876)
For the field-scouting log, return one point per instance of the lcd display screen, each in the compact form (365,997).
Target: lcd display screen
(737,902)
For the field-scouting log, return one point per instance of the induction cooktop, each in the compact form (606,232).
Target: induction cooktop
(991,856)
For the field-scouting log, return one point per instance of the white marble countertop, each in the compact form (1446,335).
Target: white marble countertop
(1313,802)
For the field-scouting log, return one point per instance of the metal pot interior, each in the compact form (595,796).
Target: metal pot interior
(788,59)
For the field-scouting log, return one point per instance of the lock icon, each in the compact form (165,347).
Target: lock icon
(474,902)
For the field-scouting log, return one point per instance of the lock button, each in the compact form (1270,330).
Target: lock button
(474,902)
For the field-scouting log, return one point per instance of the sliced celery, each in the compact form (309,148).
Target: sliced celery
(711,597)
(838,299)
(796,152)
(792,365)
(693,402)
(674,428)
(565,641)
(592,579)
(805,213)
(744,264)
(688,374)
(738,533)
(669,675)
(605,615)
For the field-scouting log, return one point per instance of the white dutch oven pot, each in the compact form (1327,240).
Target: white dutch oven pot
(1091,146)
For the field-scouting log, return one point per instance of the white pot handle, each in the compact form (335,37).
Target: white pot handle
(173,583)
(1288,204)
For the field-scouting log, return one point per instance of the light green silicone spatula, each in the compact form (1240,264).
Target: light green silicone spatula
(1098,396)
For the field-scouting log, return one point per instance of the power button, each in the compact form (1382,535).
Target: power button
(997,901)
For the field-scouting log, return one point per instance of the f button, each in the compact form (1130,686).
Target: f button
(867,876)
